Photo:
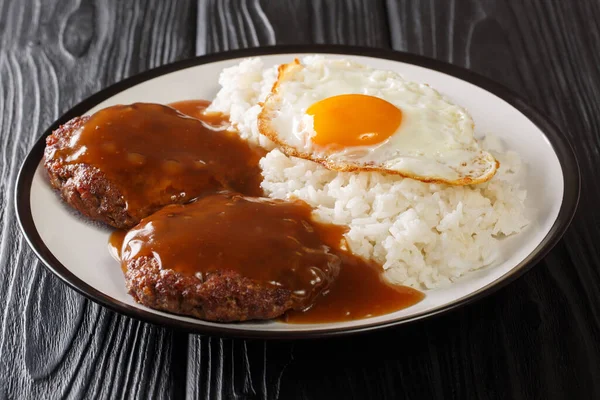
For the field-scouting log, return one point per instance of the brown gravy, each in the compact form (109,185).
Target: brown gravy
(360,291)
(159,155)
(196,109)
(115,243)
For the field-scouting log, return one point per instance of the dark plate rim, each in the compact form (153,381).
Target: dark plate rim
(559,142)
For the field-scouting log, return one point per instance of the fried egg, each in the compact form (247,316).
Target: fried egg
(350,117)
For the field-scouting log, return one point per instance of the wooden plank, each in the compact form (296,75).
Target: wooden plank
(537,338)
(223,368)
(541,333)
(232,24)
(53,342)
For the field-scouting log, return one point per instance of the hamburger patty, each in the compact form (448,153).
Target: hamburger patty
(228,257)
(223,296)
(125,162)
(84,187)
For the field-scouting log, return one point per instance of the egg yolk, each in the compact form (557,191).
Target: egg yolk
(353,120)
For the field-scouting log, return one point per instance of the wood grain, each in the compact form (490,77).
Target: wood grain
(53,342)
(539,338)
(232,24)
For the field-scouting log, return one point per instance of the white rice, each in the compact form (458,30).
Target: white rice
(424,235)
(242,87)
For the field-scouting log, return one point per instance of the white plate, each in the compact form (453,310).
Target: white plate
(76,250)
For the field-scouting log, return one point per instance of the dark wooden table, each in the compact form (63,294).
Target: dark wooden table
(537,338)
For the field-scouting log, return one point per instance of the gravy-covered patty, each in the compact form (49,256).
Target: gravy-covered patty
(227,257)
(125,162)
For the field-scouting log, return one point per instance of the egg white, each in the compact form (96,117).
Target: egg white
(434,142)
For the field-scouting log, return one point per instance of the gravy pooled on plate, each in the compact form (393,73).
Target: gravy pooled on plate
(360,291)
